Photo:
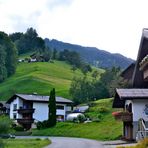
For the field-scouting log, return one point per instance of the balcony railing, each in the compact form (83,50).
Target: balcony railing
(26,111)
(123,116)
(25,121)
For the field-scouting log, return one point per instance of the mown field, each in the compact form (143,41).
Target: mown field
(39,77)
(104,127)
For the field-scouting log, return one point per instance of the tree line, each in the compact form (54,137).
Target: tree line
(85,89)
(8,57)
(31,42)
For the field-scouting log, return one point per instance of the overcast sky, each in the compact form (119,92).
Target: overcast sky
(112,25)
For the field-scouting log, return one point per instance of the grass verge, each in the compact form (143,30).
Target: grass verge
(24,143)
(107,128)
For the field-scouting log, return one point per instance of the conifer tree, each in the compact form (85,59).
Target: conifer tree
(52,108)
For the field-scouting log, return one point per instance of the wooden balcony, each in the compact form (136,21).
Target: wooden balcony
(123,116)
(26,111)
(25,121)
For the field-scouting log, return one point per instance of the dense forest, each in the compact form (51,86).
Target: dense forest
(8,57)
(92,55)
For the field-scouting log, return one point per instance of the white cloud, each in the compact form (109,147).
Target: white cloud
(113,25)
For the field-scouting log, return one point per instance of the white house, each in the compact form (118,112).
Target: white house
(135,107)
(134,100)
(27,109)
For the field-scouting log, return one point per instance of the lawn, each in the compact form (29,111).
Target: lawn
(105,127)
(24,143)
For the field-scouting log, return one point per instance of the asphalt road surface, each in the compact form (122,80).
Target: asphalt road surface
(63,142)
(66,142)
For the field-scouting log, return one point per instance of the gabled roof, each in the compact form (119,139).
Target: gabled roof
(128,72)
(128,94)
(38,98)
(138,80)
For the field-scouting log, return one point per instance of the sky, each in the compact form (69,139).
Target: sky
(111,25)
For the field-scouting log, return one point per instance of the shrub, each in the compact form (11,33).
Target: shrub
(99,116)
(1,144)
(44,124)
(103,109)
(39,125)
(81,118)
(18,128)
(5,124)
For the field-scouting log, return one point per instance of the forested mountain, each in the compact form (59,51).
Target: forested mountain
(92,55)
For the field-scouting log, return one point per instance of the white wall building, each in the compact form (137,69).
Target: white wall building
(27,109)
(135,107)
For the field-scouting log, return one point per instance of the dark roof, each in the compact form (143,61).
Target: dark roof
(128,72)
(138,80)
(128,94)
(38,98)
(132,93)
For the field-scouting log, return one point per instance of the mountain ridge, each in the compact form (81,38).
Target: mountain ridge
(92,55)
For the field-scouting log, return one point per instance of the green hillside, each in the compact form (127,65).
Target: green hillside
(39,77)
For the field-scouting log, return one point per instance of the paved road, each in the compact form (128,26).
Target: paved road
(66,142)
(63,142)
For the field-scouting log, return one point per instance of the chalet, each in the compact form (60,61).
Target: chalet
(28,109)
(134,101)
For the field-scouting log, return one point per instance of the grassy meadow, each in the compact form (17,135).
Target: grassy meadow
(40,77)
(103,128)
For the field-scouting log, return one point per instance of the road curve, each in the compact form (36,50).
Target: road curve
(64,142)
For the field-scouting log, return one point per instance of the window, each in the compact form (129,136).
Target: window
(60,107)
(14,107)
(14,116)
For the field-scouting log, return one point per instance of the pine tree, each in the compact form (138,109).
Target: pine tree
(3,70)
(52,109)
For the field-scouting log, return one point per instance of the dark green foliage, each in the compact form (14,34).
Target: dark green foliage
(18,128)
(95,74)
(85,68)
(84,90)
(54,56)
(8,56)
(74,59)
(28,42)
(3,70)
(71,57)
(15,36)
(81,90)
(81,118)
(92,55)
(42,125)
(5,124)
(52,109)
(2,145)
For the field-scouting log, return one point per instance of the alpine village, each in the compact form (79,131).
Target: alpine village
(51,88)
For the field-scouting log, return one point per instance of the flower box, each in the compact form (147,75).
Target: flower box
(123,116)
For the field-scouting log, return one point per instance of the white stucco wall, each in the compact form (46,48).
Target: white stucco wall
(139,108)
(41,111)
(19,103)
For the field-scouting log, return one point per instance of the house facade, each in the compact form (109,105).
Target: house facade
(134,100)
(28,109)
